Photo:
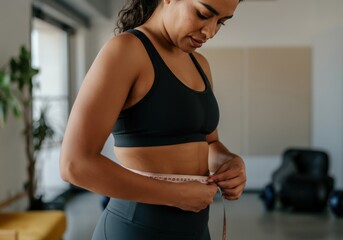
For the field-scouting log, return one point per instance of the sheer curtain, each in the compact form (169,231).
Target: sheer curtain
(49,46)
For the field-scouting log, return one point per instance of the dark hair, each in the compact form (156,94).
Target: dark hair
(135,13)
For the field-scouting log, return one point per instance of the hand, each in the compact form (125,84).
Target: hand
(195,196)
(231,178)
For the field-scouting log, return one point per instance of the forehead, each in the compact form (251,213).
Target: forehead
(223,7)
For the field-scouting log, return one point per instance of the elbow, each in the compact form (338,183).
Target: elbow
(68,170)
(65,171)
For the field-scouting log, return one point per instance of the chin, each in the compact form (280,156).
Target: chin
(188,49)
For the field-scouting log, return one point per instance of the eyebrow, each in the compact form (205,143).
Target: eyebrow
(214,11)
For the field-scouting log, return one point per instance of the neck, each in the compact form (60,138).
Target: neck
(156,31)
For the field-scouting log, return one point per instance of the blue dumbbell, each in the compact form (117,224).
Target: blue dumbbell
(336,203)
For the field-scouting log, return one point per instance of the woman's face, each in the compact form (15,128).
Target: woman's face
(190,23)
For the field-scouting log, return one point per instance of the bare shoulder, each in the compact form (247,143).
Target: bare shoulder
(118,61)
(125,43)
(204,64)
(124,47)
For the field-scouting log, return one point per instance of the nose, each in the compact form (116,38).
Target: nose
(209,30)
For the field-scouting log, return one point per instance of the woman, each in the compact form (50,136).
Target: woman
(151,89)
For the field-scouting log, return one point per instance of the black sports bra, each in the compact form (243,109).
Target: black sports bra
(170,113)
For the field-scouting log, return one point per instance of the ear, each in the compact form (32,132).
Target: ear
(166,1)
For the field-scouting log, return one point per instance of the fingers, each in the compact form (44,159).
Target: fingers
(232,189)
(230,184)
(227,175)
(229,170)
(214,189)
(231,181)
(232,195)
(199,196)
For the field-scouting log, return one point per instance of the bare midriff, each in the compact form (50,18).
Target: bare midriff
(185,158)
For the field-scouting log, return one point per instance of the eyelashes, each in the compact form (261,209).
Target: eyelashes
(203,17)
(221,22)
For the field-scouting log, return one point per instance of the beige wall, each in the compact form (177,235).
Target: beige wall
(279,23)
(327,114)
(15,30)
(264,96)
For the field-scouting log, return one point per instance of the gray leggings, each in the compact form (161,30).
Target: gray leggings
(127,220)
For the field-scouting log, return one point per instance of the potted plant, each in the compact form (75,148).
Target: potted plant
(16,85)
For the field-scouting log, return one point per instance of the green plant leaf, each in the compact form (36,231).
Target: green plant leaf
(5,87)
(22,70)
(16,107)
(42,130)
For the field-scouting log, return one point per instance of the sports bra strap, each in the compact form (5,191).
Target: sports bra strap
(151,50)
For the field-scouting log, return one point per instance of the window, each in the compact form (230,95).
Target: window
(50,54)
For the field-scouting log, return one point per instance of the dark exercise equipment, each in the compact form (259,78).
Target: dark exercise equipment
(302,183)
(268,196)
(336,203)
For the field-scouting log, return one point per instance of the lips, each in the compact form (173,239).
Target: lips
(196,42)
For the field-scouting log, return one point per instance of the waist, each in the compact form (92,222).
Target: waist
(189,158)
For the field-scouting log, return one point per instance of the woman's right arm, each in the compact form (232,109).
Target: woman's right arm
(96,108)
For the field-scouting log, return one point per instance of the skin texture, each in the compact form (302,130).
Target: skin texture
(120,77)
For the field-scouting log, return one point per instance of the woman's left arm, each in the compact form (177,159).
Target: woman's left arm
(228,168)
